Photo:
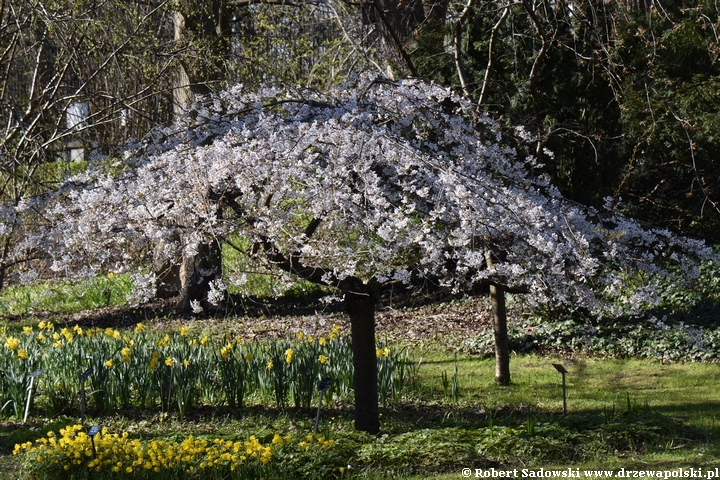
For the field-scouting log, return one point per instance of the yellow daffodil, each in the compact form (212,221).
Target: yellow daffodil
(12,343)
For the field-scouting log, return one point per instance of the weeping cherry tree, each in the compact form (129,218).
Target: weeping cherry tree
(371,186)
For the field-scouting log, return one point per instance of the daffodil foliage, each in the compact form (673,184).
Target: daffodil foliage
(379,182)
(370,185)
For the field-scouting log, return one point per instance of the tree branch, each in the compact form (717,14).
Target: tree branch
(532,77)
(457,40)
(491,55)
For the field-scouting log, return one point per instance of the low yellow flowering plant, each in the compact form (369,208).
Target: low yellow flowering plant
(73,454)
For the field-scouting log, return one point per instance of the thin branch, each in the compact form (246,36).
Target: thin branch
(491,55)
(532,77)
(457,48)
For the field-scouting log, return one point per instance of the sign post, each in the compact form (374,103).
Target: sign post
(34,374)
(563,372)
(323,386)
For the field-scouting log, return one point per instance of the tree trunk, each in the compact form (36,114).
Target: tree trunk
(197,272)
(361,310)
(502,343)
(393,24)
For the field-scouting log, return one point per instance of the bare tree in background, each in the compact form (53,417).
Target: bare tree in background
(75,79)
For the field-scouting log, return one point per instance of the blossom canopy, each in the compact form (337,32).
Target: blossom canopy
(382,182)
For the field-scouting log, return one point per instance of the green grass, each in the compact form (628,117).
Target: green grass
(64,297)
(690,391)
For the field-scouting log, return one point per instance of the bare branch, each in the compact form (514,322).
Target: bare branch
(491,55)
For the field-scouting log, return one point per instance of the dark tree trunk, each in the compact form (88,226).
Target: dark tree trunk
(197,272)
(392,24)
(168,283)
(499,311)
(360,307)
(502,343)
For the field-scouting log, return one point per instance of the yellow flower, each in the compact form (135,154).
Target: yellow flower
(169,361)
(322,359)
(109,363)
(183,331)
(186,363)
(204,340)
(226,351)
(22,354)
(300,335)
(41,325)
(139,327)
(27,330)
(125,352)
(111,275)
(322,341)
(12,343)
(270,365)
(288,355)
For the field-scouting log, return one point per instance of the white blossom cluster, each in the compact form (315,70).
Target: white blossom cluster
(388,182)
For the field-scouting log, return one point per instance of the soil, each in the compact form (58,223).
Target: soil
(446,323)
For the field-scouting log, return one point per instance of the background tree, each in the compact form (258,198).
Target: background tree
(373,186)
(75,78)
(619,92)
